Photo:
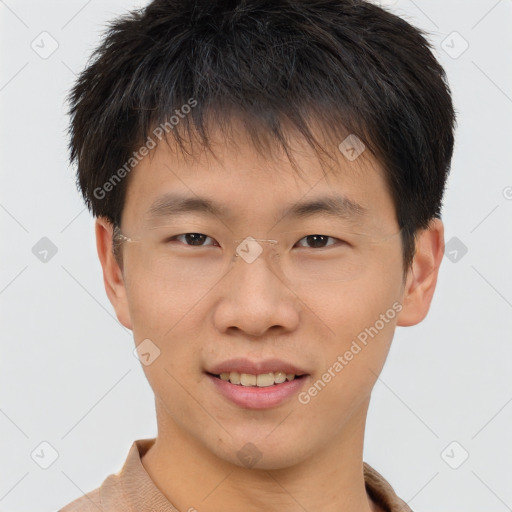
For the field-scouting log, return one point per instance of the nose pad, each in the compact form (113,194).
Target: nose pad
(251,249)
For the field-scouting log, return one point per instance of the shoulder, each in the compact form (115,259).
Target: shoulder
(118,491)
(109,497)
(381,492)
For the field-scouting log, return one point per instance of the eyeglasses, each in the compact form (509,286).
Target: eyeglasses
(176,254)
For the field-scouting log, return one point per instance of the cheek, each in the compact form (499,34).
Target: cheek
(166,317)
(355,322)
(342,310)
(159,308)
(352,357)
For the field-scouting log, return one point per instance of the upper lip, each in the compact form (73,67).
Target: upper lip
(241,365)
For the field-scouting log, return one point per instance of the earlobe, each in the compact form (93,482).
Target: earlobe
(422,276)
(112,274)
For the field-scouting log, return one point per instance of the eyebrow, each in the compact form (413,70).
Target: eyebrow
(174,204)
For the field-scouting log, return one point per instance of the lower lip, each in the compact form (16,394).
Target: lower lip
(253,397)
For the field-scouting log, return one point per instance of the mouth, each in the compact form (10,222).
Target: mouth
(262,384)
(257,385)
(261,380)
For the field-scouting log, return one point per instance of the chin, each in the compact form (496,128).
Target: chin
(260,453)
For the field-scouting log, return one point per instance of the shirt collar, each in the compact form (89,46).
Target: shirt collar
(143,495)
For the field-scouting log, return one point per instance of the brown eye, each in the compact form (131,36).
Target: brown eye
(192,239)
(317,241)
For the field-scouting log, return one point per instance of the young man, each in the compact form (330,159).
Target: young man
(267,178)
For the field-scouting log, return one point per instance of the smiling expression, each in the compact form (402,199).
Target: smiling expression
(250,321)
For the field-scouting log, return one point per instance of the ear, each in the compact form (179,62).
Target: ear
(112,273)
(422,276)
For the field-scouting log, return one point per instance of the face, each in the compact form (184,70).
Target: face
(333,335)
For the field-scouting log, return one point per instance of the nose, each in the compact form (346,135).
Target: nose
(254,296)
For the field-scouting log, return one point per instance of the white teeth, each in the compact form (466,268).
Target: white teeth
(261,380)
(264,380)
(247,379)
(279,377)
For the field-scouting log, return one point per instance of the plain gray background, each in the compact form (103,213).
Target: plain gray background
(68,376)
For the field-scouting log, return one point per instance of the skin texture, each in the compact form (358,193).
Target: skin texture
(312,453)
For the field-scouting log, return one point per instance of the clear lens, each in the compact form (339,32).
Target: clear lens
(294,256)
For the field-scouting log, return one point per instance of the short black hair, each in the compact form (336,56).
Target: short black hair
(349,66)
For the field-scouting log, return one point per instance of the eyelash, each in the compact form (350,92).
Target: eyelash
(303,238)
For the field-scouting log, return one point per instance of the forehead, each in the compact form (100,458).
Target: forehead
(238,183)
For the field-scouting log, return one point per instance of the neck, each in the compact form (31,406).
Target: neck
(192,478)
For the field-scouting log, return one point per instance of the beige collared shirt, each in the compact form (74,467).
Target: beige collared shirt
(132,490)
